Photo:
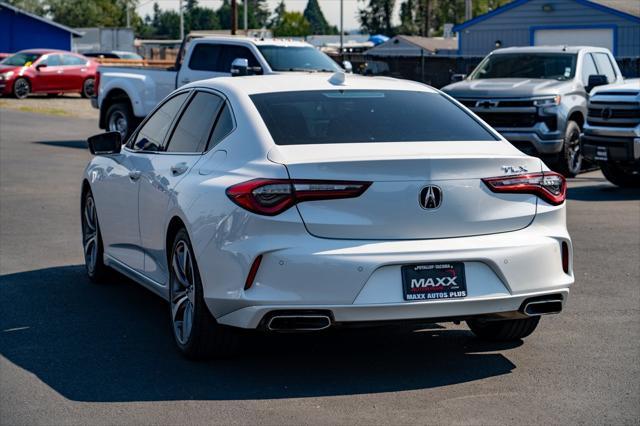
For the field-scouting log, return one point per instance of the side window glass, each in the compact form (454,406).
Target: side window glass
(205,57)
(192,131)
(153,132)
(231,52)
(604,66)
(72,60)
(53,60)
(588,68)
(224,126)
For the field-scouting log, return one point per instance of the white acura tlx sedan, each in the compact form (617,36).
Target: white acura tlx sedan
(299,203)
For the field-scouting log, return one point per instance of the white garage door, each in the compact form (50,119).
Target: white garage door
(599,37)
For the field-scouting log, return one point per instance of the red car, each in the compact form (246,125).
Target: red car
(47,71)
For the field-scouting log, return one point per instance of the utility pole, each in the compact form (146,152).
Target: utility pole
(181,20)
(341,29)
(234,17)
(468,9)
(246,16)
(127,9)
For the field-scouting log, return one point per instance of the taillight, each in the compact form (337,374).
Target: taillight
(270,197)
(96,84)
(549,186)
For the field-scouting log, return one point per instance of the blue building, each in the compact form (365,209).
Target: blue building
(614,24)
(22,30)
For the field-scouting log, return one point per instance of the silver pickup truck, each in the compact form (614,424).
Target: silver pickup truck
(612,132)
(125,95)
(536,97)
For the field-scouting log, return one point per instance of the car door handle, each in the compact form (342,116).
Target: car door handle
(134,175)
(178,169)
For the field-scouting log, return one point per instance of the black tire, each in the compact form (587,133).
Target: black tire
(206,338)
(503,330)
(569,161)
(88,88)
(120,118)
(93,252)
(625,178)
(21,88)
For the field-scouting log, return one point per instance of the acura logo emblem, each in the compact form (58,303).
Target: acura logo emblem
(606,113)
(430,197)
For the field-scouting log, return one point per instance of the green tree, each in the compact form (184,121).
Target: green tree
(31,6)
(89,13)
(407,18)
(376,17)
(292,24)
(278,14)
(224,15)
(197,17)
(319,25)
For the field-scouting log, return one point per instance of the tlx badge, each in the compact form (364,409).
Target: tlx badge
(512,170)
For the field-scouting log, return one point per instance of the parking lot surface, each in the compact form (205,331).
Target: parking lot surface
(72,352)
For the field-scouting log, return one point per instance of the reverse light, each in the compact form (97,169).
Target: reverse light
(550,186)
(271,197)
(551,101)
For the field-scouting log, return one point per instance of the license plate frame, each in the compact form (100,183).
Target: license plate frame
(434,281)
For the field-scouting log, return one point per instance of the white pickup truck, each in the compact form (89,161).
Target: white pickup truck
(125,95)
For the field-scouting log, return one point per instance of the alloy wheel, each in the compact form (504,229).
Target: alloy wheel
(89,87)
(182,291)
(90,234)
(21,88)
(574,157)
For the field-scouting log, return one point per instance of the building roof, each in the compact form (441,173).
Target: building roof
(404,45)
(627,9)
(40,18)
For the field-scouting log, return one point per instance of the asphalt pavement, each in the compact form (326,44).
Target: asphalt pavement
(72,352)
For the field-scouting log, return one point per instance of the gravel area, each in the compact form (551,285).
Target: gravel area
(70,105)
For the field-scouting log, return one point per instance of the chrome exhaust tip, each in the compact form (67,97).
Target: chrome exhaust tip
(542,307)
(285,323)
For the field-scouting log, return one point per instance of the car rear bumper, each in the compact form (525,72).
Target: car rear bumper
(443,310)
(361,281)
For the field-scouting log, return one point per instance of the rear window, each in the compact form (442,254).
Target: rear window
(352,116)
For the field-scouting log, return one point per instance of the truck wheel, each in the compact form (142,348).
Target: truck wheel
(503,330)
(569,160)
(625,178)
(120,119)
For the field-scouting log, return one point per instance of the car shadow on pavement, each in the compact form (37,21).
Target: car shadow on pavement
(112,342)
(604,192)
(81,144)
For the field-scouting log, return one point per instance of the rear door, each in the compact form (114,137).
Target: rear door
(75,71)
(165,170)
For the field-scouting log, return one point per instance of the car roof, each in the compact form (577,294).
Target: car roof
(42,51)
(548,49)
(258,41)
(293,82)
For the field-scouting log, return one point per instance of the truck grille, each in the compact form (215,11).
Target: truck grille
(610,114)
(508,119)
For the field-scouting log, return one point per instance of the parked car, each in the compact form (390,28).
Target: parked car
(612,132)
(302,202)
(127,94)
(536,97)
(47,71)
(113,54)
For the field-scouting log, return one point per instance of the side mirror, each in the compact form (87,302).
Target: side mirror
(596,80)
(39,66)
(348,67)
(105,143)
(458,77)
(239,66)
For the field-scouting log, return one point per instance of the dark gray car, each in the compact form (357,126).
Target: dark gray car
(536,97)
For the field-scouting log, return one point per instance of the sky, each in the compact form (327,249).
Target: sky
(330,8)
